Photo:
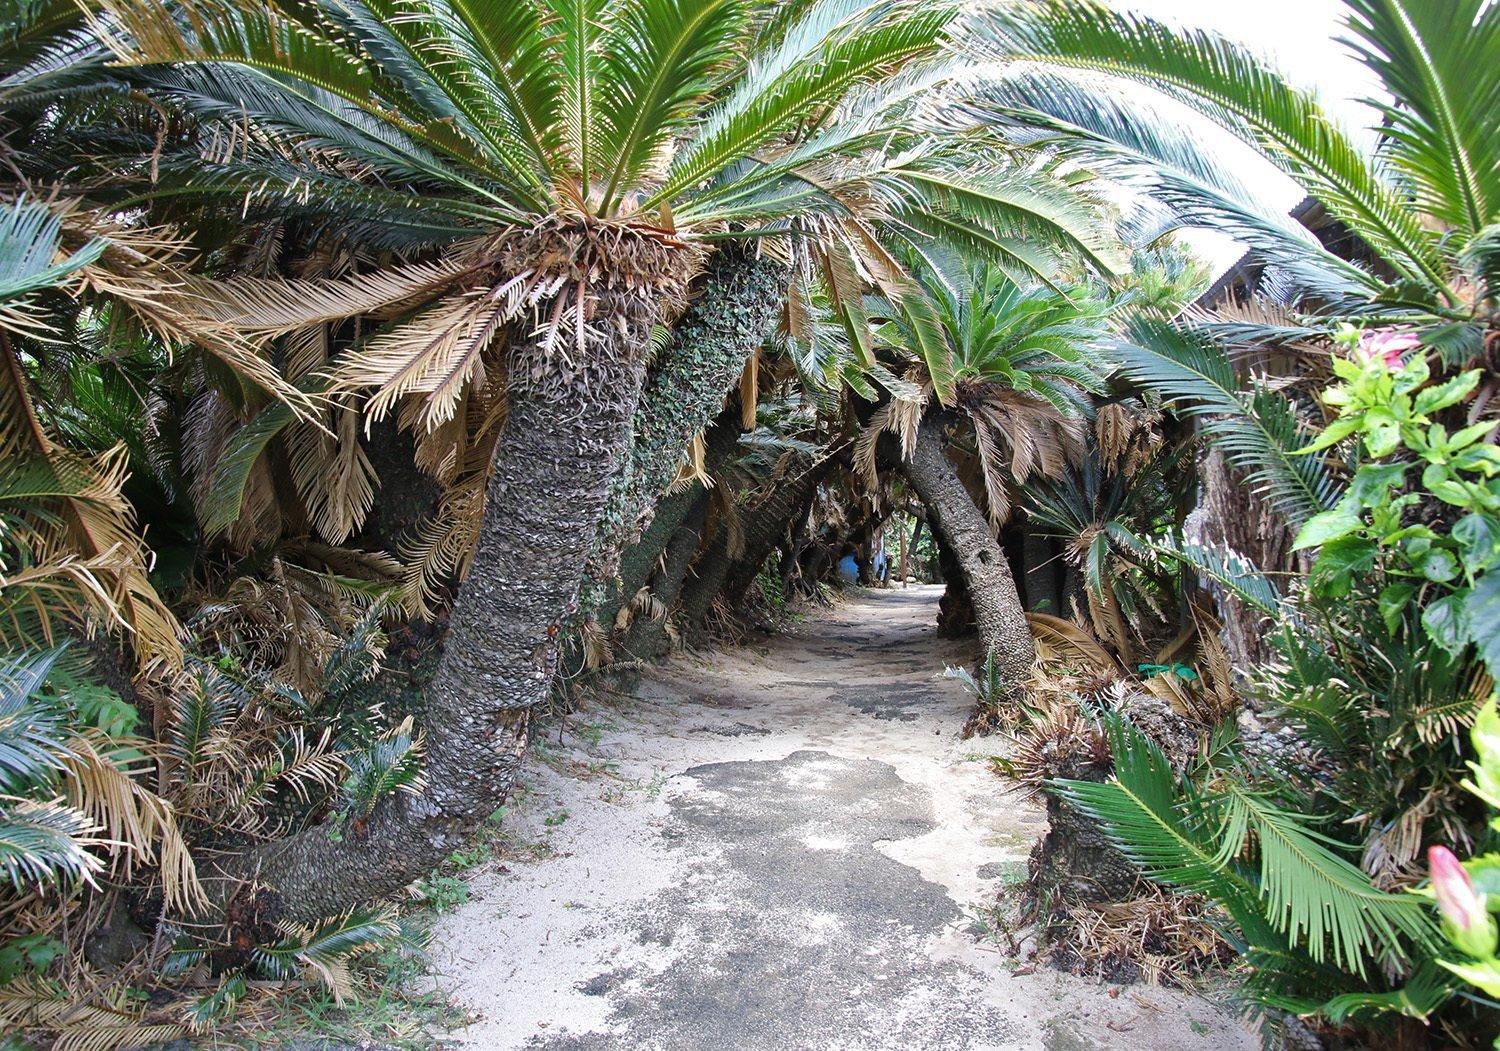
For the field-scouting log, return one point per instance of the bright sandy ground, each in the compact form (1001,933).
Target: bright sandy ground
(784,845)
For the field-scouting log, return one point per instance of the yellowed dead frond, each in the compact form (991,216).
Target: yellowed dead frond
(992,472)
(645,603)
(724,513)
(86,557)
(441,548)
(901,416)
(594,643)
(749,391)
(332,473)
(1214,669)
(693,470)
(138,820)
(269,307)
(1071,642)
(105,1021)
(797,318)
(438,353)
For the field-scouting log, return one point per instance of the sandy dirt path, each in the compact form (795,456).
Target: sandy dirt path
(784,845)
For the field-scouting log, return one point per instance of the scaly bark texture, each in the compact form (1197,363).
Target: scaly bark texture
(638,561)
(762,526)
(998,613)
(565,436)
(733,309)
(648,636)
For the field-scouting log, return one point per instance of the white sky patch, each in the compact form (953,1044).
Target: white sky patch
(1301,38)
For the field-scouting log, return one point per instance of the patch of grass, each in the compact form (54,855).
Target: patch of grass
(443,893)
(652,788)
(556,818)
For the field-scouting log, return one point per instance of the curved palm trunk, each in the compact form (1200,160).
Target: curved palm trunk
(563,441)
(731,313)
(762,527)
(638,561)
(648,637)
(998,613)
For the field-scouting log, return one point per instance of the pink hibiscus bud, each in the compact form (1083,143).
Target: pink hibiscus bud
(1388,345)
(1466,920)
(1455,891)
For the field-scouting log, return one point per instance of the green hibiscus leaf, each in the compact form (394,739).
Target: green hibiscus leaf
(1483,608)
(1438,565)
(1339,562)
(1393,602)
(1321,528)
(1447,622)
(1478,537)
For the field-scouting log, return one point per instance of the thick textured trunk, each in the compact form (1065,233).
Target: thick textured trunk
(998,613)
(762,526)
(563,441)
(766,524)
(638,561)
(1231,514)
(1043,573)
(955,609)
(648,637)
(734,306)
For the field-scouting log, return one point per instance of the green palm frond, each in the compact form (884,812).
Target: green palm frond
(1135,143)
(30,236)
(1229,571)
(1315,896)
(32,737)
(1240,92)
(1300,896)
(1164,825)
(1258,434)
(1440,62)
(388,763)
(45,843)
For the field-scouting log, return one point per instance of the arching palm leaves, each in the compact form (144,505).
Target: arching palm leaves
(1437,61)
(1018,363)
(495,133)
(1306,912)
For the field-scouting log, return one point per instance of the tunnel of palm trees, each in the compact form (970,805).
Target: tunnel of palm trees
(927,514)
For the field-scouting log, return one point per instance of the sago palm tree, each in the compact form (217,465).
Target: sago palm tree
(1011,369)
(554,173)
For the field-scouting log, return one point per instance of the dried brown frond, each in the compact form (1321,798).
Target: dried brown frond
(439,549)
(334,477)
(1072,643)
(594,642)
(900,416)
(749,390)
(109,1020)
(269,307)
(83,558)
(1154,936)
(693,470)
(139,824)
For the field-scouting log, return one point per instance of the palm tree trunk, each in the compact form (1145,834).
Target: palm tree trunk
(737,301)
(649,637)
(638,561)
(762,526)
(551,470)
(998,613)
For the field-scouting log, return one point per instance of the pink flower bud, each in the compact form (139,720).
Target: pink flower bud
(1388,345)
(1455,892)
